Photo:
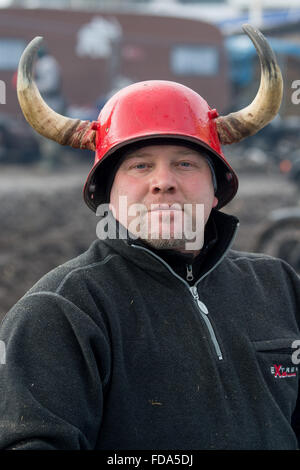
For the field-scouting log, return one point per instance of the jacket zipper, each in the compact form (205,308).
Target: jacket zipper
(200,305)
(189,272)
(204,314)
(193,290)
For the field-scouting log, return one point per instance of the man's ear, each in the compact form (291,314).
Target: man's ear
(215,201)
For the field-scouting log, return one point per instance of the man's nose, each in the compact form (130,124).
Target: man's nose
(163,181)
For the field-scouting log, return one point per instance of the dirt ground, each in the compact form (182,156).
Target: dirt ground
(45,222)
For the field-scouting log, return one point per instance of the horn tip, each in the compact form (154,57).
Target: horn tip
(37,40)
(249,28)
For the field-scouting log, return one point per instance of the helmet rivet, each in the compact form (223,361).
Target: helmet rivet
(213,113)
(95,126)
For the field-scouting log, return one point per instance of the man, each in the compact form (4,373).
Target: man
(144,342)
(49,83)
(163,180)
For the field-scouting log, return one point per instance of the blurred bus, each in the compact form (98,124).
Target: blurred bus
(101,51)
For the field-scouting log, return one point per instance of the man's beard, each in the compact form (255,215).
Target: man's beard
(165,244)
(171,235)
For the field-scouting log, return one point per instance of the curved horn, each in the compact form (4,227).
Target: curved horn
(236,126)
(61,129)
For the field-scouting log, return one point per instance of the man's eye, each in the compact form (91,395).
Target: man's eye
(140,166)
(185,164)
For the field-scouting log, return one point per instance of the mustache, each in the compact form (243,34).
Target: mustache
(186,209)
(148,207)
(176,206)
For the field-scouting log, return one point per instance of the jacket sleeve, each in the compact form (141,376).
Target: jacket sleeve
(52,375)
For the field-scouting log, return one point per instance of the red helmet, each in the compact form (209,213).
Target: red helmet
(151,110)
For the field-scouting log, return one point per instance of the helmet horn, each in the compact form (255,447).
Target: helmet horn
(236,126)
(61,129)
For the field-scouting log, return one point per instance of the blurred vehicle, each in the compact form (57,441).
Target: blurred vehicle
(281,236)
(244,69)
(294,174)
(276,145)
(105,45)
(18,144)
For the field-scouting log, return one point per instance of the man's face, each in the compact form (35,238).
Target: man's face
(170,181)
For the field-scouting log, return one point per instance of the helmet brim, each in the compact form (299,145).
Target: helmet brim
(95,189)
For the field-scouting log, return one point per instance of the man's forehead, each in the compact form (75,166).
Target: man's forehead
(156,149)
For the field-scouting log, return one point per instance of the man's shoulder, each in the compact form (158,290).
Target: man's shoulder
(260,263)
(254,259)
(88,260)
(237,256)
(72,285)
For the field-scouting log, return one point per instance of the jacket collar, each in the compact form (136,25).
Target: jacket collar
(218,239)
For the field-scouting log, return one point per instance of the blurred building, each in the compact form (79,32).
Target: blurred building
(99,51)
(105,43)
(228,14)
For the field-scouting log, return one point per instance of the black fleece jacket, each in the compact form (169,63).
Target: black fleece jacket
(115,350)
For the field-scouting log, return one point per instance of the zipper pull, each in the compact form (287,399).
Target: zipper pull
(194,292)
(202,307)
(200,304)
(189,272)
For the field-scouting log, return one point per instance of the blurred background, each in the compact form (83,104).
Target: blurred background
(91,49)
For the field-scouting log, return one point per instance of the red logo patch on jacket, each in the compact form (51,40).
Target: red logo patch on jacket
(280,372)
